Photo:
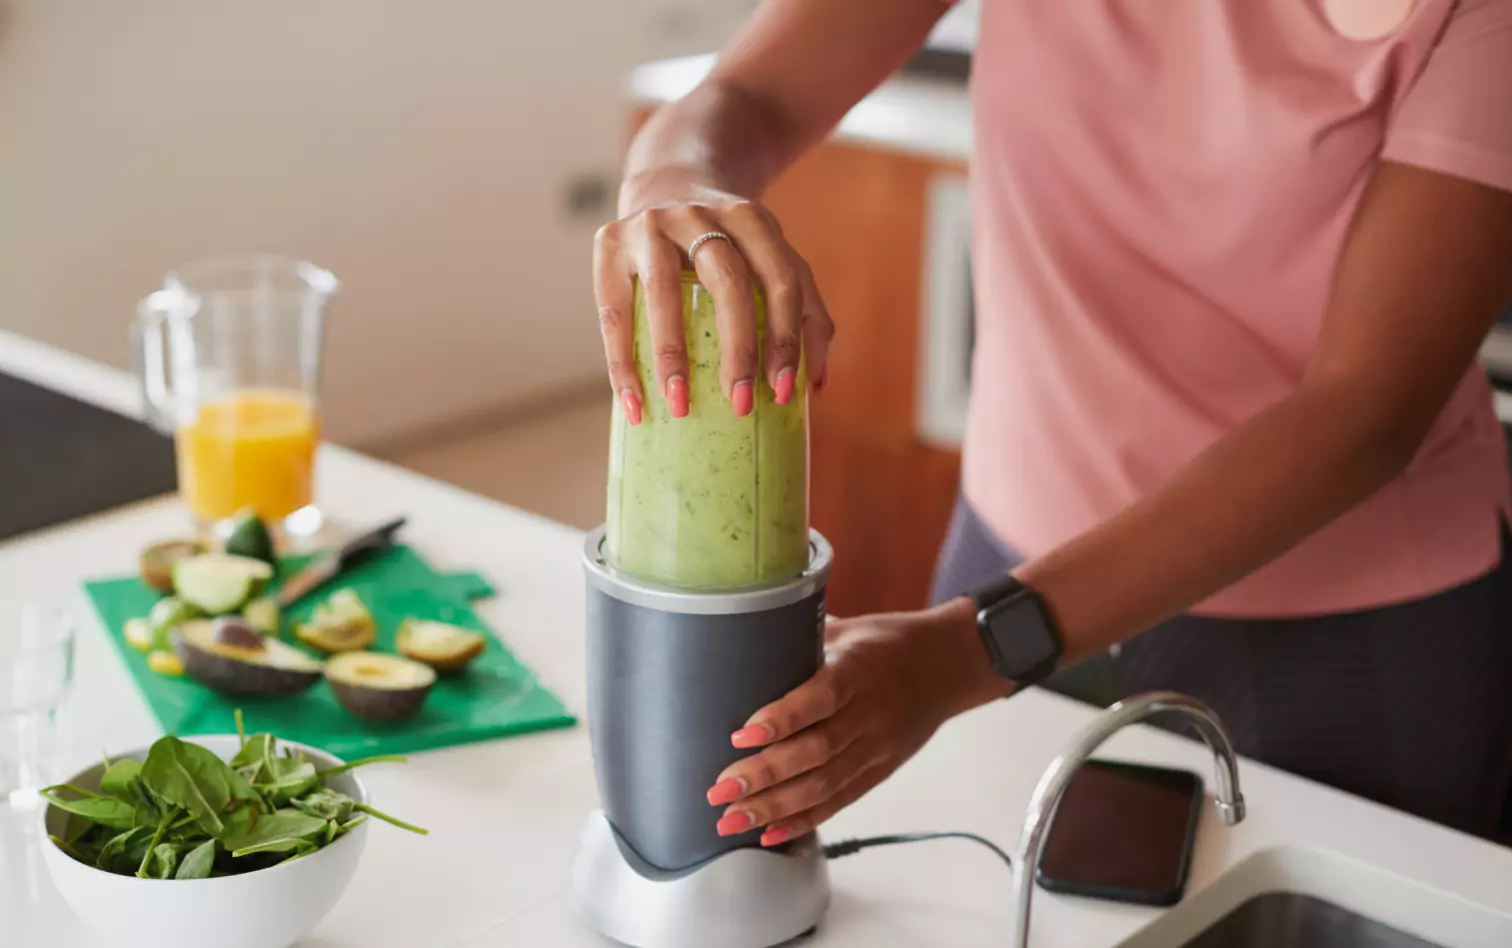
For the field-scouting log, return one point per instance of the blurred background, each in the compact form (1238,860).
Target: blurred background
(449,161)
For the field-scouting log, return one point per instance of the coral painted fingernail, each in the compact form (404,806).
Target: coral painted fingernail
(727,791)
(784,388)
(737,822)
(775,836)
(677,396)
(753,736)
(823,379)
(632,406)
(742,397)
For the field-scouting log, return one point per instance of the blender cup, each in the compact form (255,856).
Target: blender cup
(711,500)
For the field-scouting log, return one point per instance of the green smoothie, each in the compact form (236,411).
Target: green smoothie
(709,500)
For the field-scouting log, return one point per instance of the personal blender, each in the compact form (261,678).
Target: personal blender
(705,602)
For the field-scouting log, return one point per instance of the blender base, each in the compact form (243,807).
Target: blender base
(747,898)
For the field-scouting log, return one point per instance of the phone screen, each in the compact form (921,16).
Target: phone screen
(1123,832)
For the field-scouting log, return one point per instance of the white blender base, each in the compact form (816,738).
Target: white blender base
(748,898)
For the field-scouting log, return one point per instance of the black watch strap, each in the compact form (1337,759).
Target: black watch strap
(996,590)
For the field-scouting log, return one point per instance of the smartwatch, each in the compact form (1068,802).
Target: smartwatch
(1017,629)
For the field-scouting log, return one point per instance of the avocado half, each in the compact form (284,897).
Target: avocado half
(158,560)
(217,583)
(379,688)
(342,623)
(441,645)
(233,664)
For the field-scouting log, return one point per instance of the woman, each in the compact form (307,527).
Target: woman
(1235,260)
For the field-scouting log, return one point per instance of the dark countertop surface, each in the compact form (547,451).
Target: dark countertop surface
(61,458)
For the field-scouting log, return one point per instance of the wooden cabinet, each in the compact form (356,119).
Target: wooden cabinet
(878,493)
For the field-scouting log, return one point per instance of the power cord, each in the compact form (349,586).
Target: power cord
(849,847)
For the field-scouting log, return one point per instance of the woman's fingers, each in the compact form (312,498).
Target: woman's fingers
(658,263)
(756,233)
(798,795)
(818,328)
(784,760)
(861,783)
(613,292)
(722,270)
(808,704)
(653,246)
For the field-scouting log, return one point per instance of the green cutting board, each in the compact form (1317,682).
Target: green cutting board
(496,696)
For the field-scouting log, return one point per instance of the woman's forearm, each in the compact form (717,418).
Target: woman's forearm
(1259,490)
(794,69)
(717,138)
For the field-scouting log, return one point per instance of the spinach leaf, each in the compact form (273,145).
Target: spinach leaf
(69,849)
(86,848)
(117,779)
(290,779)
(123,853)
(149,808)
(363,762)
(162,861)
(326,804)
(242,820)
(276,832)
(350,825)
(145,869)
(254,751)
(198,863)
(107,811)
(300,851)
(389,819)
(76,827)
(193,778)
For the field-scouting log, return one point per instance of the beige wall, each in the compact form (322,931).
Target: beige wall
(418,149)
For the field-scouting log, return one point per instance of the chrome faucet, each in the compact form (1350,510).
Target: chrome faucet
(1052,786)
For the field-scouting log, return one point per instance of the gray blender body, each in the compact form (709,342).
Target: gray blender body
(671,674)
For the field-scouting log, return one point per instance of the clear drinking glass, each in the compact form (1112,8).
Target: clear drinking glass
(36,668)
(230,356)
(711,500)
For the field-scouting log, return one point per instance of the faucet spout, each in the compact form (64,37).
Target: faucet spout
(1057,776)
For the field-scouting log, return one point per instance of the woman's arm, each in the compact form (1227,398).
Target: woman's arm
(700,165)
(786,80)
(1424,272)
(1426,267)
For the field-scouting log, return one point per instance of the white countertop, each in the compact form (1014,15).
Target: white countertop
(930,118)
(505,815)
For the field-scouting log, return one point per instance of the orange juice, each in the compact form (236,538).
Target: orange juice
(253,448)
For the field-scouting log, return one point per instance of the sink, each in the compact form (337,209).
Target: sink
(1301,921)
(1290,897)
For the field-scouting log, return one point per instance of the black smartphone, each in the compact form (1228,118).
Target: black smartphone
(1123,832)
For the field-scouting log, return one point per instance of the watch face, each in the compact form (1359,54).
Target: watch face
(1024,643)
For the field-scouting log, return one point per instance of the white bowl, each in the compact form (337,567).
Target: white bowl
(268,908)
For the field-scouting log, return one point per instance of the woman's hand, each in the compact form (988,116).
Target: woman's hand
(887,684)
(652,243)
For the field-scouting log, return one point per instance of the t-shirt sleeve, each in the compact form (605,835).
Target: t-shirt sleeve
(1457,117)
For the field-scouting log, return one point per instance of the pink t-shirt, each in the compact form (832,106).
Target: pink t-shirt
(1161,188)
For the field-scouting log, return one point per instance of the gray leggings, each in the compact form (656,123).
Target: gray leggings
(1409,705)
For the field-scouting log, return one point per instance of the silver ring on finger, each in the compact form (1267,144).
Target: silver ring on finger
(702,239)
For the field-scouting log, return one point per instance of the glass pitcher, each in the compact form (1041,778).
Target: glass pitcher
(229,361)
(710,500)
